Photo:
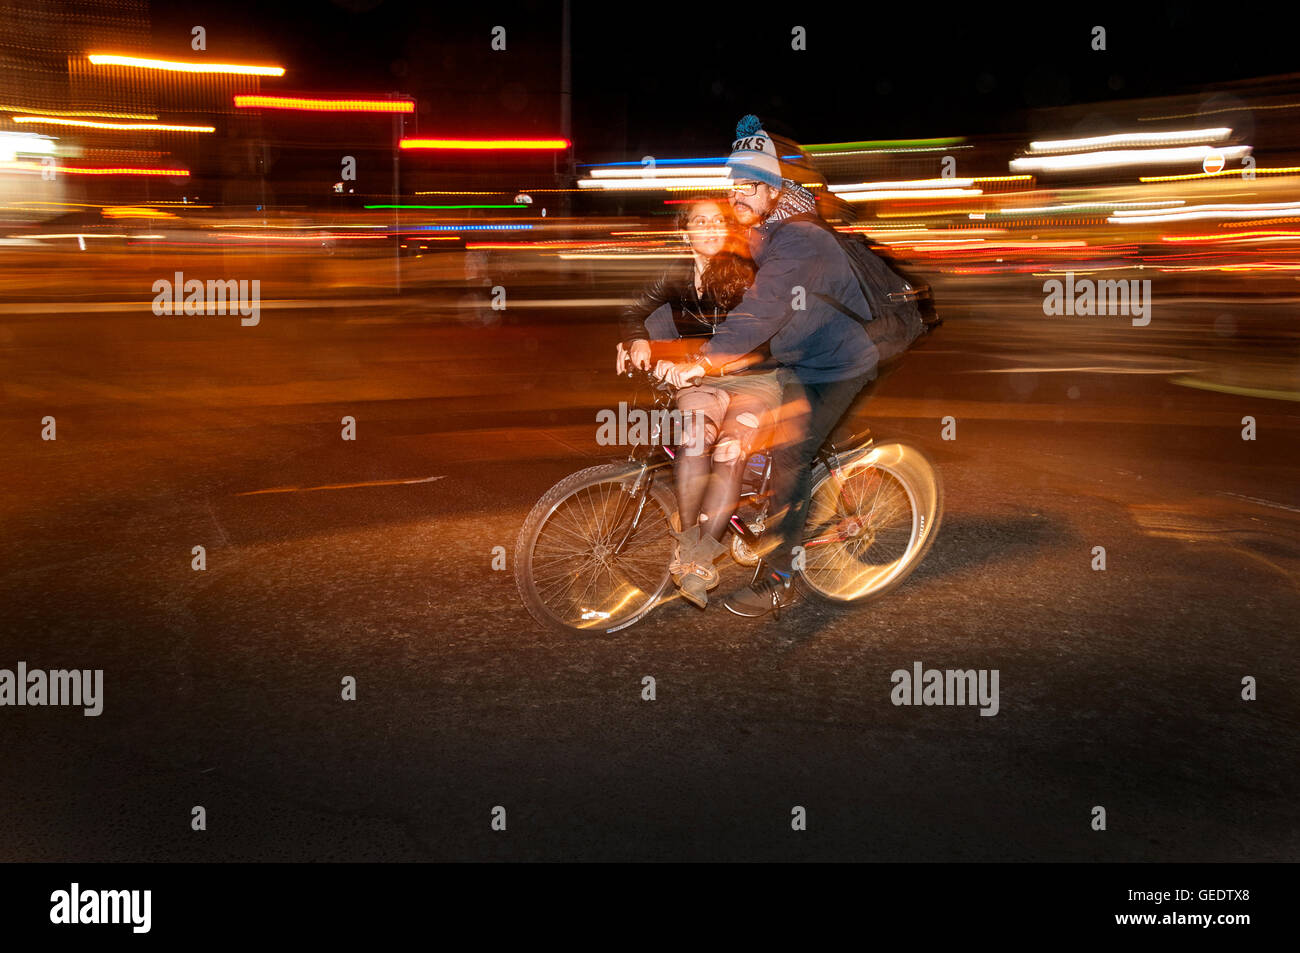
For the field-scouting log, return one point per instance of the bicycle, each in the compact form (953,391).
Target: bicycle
(593,553)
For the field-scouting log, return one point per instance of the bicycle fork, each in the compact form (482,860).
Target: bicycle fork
(640,491)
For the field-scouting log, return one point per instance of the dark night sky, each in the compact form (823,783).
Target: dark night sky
(673,78)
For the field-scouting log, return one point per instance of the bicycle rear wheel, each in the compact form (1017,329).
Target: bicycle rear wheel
(580,562)
(871,523)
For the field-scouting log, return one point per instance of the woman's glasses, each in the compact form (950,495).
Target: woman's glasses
(699,221)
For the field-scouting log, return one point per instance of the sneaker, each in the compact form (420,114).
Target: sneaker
(692,566)
(770,593)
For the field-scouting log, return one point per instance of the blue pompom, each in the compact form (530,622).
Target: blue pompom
(747,126)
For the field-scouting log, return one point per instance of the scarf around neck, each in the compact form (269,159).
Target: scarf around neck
(794,200)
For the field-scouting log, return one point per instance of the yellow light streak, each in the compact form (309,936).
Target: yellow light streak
(176,66)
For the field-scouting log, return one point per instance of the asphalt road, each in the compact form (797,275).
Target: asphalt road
(372,559)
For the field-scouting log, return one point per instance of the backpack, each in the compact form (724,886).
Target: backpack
(901,307)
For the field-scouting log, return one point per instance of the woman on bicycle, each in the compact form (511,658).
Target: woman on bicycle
(725,418)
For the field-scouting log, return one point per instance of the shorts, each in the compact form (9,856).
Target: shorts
(745,404)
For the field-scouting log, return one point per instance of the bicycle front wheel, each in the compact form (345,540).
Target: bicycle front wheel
(593,557)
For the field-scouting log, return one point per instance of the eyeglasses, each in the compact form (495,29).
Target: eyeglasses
(744,188)
(699,221)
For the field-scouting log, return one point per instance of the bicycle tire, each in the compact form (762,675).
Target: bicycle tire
(545,607)
(923,486)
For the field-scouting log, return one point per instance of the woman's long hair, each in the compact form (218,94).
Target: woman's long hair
(726,278)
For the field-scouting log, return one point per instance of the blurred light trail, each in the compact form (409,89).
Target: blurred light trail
(908,212)
(513,246)
(1234,237)
(1226,109)
(83,235)
(881,145)
(129,211)
(492,144)
(111,126)
(676,182)
(123,170)
(13,144)
(1261,222)
(893,234)
(1174,137)
(979,245)
(1077,206)
(185,205)
(243,241)
(1244,267)
(1282,170)
(881,152)
(1082,268)
(904,184)
(439,208)
(300,228)
(1200,212)
(471,228)
(1124,157)
(93,114)
(341,486)
(569,256)
(35,167)
(112,59)
(652,171)
(498,192)
(347,105)
(504,192)
(267,239)
(714,160)
(875,196)
(573,244)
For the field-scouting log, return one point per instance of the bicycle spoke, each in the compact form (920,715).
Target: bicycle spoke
(574,571)
(567,514)
(858,532)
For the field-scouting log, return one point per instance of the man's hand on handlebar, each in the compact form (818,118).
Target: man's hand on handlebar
(679,375)
(637,356)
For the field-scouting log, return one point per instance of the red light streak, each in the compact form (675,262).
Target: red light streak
(487,144)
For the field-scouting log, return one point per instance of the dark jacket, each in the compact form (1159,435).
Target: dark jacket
(818,342)
(669,308)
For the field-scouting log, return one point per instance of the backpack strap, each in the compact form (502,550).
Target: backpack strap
(842,308)
(815,219)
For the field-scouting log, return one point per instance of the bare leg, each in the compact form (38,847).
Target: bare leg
(691,471)
(741,431)
(723,490)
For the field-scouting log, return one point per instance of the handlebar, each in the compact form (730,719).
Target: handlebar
(647,379)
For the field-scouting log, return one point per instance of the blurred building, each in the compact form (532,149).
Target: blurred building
(37,37)
(51,94)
